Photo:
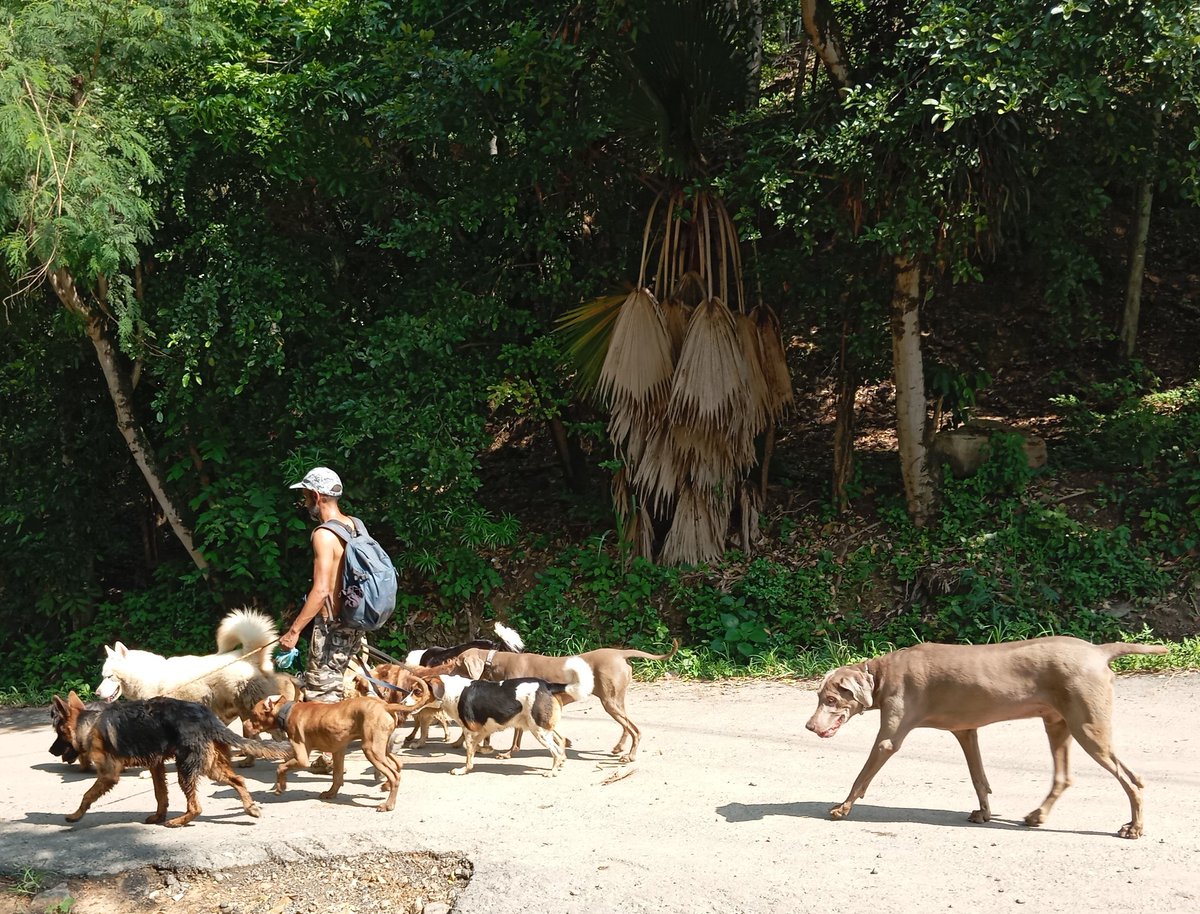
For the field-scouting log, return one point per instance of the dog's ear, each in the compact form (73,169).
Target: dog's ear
(473,663)
(73,701)
(60,704)
(861,686)
(437,687)
(118,650)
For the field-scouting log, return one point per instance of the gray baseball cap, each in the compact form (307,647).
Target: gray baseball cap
(321,480)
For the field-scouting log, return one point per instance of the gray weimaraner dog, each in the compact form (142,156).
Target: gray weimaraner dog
(1064,681)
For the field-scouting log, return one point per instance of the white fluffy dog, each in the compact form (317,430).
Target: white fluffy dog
(229,682)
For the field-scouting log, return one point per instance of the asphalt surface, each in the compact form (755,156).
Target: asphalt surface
(725,810)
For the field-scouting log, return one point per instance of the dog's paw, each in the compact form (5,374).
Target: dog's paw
(504,755)
(328,794)
(254,810)
(1129,830)
(74,817)
(385,807)
(153,819)
(246,762)
(1035,818)
(840,812)
(458,770)
(979,816)
(277,790)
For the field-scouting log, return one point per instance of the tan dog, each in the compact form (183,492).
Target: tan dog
(1064,681)
(611,675)
(331,727)
(402,676)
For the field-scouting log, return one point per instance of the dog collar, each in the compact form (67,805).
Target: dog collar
(282,715)
(487,664)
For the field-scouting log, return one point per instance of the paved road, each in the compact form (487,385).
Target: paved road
(724,812)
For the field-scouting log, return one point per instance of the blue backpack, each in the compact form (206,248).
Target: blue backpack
(369,579)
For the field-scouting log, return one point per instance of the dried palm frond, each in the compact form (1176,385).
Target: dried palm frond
(637,367)
(676,316)
(689,290)
(774,362)
(658,473)
(697,531)
(706,455)
(758,396)
(749,505)
(640,534)
(709,384)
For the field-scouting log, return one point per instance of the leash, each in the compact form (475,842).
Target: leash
(389,685)
(387,658)
(289,656)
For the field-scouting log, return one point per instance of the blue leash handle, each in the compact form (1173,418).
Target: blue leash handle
(286,660)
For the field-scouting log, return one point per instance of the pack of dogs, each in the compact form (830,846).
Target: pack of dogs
(179,708)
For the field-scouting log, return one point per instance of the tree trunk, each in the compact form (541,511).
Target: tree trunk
(755,11)
(569,455)
(910,390)
(120,388)
(826,38)
(843,427)
(1138,260)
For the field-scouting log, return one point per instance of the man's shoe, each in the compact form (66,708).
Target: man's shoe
(322,764)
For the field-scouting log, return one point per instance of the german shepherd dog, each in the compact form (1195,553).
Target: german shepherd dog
(147,733)
(70,750)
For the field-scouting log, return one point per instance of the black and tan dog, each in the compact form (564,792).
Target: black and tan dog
(147,733)
(74,749)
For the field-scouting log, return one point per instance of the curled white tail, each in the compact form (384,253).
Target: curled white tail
(510,638)
(582,682)
(249,630)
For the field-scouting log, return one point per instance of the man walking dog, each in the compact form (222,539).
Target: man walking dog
(333,643)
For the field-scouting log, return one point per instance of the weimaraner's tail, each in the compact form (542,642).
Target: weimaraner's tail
(1121,648)
(642,655)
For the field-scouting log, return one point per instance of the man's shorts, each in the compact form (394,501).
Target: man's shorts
(329,652)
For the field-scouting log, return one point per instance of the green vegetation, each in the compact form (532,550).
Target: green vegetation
(240,239)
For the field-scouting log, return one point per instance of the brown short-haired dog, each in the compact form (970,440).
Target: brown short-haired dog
(1064,681)
(331,727)
(402,677)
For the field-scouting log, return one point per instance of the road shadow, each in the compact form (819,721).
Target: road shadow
(882,815)
(127,817)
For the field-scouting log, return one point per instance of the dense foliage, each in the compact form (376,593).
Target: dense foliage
(340,233)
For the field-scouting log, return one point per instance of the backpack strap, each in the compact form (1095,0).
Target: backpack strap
(344,532)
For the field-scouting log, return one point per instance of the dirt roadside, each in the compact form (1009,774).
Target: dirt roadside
(724,811)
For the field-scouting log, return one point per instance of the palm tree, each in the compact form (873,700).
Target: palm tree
(693,378)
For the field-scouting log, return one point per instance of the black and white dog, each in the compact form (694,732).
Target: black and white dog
(482,708)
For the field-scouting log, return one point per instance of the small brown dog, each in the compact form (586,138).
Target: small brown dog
(1064,681)
(331,727)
